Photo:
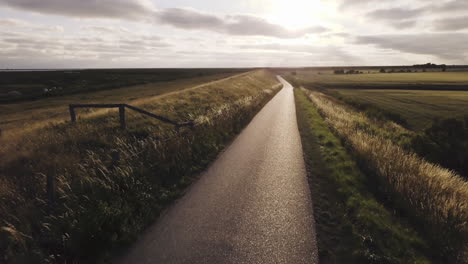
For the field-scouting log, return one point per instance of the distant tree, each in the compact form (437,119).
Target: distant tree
(339,71)
(294,73)
(382,70)
(444,67)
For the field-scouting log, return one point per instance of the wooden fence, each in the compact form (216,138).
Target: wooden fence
(122,107)
(50,187)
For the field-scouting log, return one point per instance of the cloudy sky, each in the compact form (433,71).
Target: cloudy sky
(240,33)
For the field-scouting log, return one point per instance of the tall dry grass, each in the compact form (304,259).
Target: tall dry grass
(102,202)
(436,197)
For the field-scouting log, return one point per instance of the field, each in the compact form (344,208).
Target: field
(418,98)
(420,80)
(29,114)
(24,85)
(432,196)
(365,112)
(375,199)
(111,181)
(417,107)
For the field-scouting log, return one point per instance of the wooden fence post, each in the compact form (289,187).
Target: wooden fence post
(115,155)
(123,125)
(72,114)
(121,107)
(51,188)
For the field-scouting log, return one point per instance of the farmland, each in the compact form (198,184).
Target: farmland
(418,98)
(386,123)
(372,191)
(29,113)
(417,107)
(26,85)
(405,81)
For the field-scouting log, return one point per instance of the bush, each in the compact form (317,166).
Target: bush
(445,142)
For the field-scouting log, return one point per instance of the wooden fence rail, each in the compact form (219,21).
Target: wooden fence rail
(121,107)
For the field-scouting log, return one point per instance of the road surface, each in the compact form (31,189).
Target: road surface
(251,206)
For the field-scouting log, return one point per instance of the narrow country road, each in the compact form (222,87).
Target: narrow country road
(251,206)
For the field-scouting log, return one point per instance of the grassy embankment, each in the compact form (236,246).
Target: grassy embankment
(352,226)
(435,199)
(111,183)
(26,115)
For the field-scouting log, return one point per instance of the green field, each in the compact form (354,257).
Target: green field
(420,80)
(418,108)
(418,98)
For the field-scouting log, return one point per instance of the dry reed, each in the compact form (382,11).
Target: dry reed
(437,197)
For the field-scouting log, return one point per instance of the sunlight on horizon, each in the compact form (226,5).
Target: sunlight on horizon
(296,14)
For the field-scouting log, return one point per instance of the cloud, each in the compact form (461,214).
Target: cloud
(251,25)
(106,30)
(188,18)
(143,10)
(406,16)
(399,18)
(8,23)
(404,24)
(20,25)
(346,4)
(77,46)
(451,24)
(129,9)
(240,25)
(395,13)
(329,52)
(451,46)
(452,6)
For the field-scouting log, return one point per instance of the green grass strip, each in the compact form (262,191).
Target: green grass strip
(352,226)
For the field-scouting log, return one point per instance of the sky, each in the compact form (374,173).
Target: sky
(236,33)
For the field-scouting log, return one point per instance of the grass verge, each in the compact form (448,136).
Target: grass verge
(352,226)
(433,198)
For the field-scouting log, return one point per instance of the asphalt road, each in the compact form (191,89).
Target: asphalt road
(251,206)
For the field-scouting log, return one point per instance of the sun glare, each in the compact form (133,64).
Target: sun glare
(298,13)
